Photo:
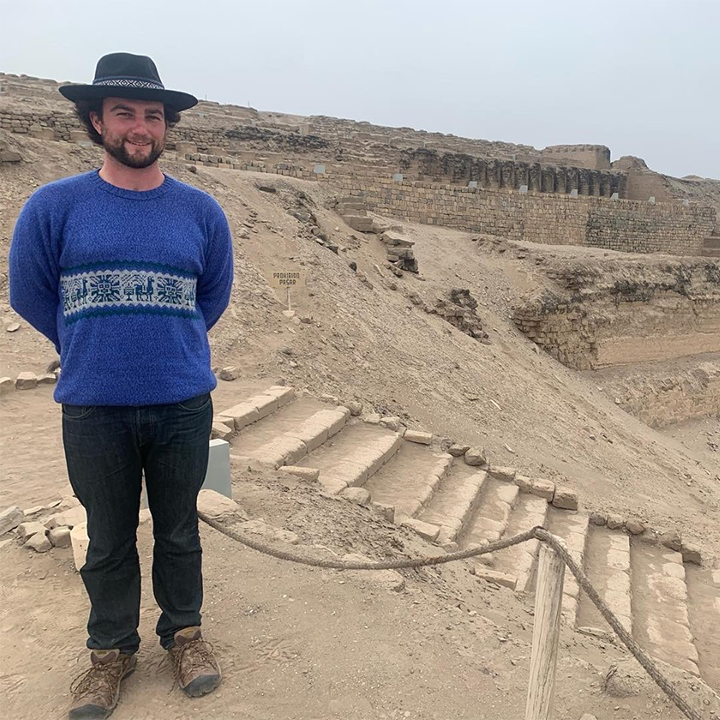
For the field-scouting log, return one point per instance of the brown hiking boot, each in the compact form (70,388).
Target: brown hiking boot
(96,692)
(196,669)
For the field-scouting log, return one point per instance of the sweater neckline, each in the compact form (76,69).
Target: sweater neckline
(131,194)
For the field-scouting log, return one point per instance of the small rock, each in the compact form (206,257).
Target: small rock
(475,457)
(217,506)
(10,518)
(504,474)
(6,385)
(626,679)
(13,328)
(635,527)
(373,419)
(691,553)
(671,540)
(385,510)
(80,541)
(588,716)
(424,530)
(458,450)
(615,522)
(269,532)
(34,510)
(229,373)
(39,543)
(221,431)
(355,408)
(523,482)
(388,579)
(598,518)
(70,518)
(358,495)
(26,381)
(391,422)
(417,436)
(47,379)
(543,488)
(304,473)
(288,313)
(60,537)
(28,529)
(498,578)
(565,499)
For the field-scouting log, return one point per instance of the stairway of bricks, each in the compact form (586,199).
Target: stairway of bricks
(670,606)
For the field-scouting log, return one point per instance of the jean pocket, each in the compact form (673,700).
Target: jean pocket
(195,404)
(78,412)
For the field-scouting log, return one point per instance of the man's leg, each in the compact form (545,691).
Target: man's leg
(175,467)
(105,470)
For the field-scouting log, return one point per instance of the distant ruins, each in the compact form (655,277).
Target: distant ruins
(563,194)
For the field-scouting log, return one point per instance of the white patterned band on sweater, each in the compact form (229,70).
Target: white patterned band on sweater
(108,291)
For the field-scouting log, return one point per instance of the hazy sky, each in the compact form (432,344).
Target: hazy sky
(642,77)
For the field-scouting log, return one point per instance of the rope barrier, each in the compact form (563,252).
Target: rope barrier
(537,532)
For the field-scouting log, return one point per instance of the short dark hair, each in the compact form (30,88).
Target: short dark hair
(83,108)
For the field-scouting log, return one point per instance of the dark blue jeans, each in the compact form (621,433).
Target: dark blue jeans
(107,448)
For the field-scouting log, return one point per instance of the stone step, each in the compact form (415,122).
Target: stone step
(256,407)
(454,500)
(360,223)
(712,242)
(703,586)
(607,564)
(491,516)
(520,560)
(409,479)
(660,605)
(353,456)
(573,529)
(292,432)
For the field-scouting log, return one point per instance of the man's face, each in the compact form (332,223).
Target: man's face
(133,131)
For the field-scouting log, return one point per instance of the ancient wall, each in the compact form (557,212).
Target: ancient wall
(593,157)
(610,314)
(425,164)
(665,395)
(560,220)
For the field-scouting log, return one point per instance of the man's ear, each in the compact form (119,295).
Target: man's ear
(96,122)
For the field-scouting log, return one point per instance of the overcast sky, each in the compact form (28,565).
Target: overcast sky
(642,77)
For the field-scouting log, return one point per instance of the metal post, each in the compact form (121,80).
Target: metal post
(546,634)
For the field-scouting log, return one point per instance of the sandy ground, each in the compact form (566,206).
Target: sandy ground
(296,642)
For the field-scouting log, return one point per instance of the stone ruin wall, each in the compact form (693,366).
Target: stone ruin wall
(593,157)
(621,225)
(614,315)
(661,396)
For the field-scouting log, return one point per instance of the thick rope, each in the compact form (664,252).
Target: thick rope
(538,532)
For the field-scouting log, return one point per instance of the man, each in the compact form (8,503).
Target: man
(125,270)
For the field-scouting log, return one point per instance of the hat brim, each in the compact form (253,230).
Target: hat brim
(178,101)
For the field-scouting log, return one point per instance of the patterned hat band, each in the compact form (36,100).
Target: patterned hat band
(129,83)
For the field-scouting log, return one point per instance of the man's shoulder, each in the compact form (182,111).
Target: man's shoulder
(195,195)
(65,187)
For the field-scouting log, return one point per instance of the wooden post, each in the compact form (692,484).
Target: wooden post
(546,634)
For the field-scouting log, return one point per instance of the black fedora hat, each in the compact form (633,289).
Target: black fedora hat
(128,76)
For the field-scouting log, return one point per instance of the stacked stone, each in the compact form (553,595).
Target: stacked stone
(459,310)
(400,254)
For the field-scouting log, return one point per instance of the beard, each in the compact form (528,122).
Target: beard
(115,146)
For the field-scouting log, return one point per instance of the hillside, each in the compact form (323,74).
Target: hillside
(363,335)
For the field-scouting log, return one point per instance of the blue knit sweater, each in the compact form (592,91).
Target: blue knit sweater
(126,284)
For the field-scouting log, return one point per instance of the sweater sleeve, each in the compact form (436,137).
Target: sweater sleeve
(215,283)
(34,271)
